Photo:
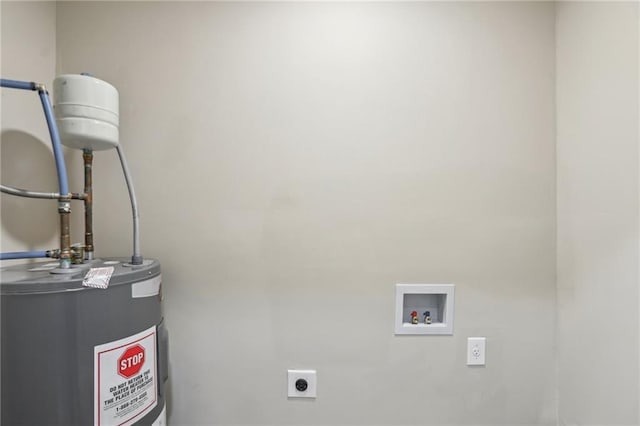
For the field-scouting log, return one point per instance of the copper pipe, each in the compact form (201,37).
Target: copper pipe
(87,156)
(64,209)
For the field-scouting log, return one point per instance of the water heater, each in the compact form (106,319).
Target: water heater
(77,355)
(83,339)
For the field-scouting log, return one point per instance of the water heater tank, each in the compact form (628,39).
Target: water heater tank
(86,111)
(73,355)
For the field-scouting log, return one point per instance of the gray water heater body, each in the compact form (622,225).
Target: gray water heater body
(73,355)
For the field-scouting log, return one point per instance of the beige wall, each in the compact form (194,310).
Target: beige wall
(28,52)
(295,161)
(597,138)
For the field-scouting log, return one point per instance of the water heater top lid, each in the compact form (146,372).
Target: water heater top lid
(87,112)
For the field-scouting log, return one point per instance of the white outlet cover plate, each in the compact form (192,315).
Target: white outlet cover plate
(309,375)
(476,347)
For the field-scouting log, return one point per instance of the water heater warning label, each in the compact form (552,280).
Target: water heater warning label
(125,384)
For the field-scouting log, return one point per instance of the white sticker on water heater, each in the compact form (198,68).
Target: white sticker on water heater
(125,379)
(98,277)
(146,288)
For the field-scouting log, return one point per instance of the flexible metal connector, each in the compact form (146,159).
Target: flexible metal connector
(35,194)
(29,194)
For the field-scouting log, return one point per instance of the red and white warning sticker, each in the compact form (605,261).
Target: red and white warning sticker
(125,379)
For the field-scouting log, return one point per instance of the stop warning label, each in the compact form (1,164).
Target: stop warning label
(131,361)
(125,382)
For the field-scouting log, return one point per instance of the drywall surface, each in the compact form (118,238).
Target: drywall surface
(27,52)
(597,128)
(294,161)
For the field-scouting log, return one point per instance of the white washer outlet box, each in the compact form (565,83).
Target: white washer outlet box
(302,383)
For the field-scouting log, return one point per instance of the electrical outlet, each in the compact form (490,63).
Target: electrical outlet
(301,383)
(476,347)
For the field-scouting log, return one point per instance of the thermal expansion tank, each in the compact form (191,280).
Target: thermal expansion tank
(87,112)
(75,355)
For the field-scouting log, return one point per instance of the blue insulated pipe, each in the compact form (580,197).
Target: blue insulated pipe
(23,255)
(15,84)
(55,141)
(65,196)
(51,124)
